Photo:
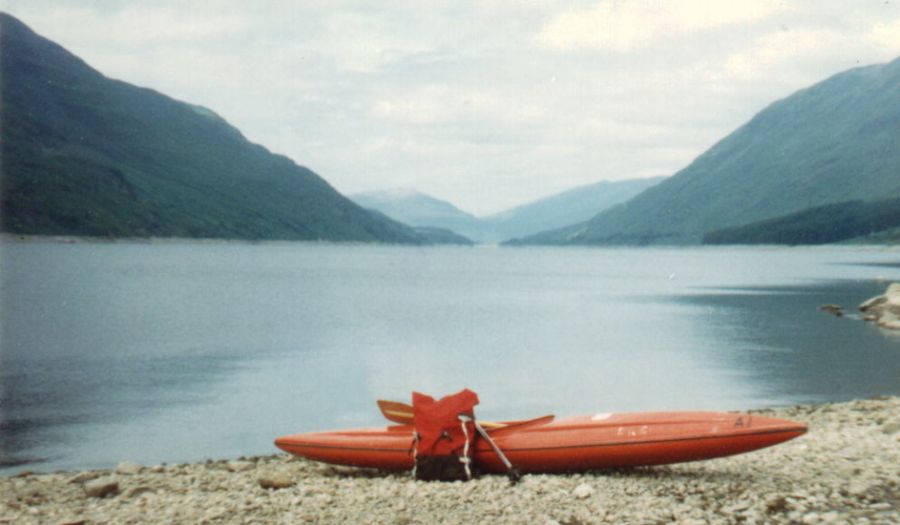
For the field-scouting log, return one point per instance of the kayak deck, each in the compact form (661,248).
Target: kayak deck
(557,445)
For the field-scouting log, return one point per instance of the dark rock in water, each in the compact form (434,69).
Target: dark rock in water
(884,309)
(833,309)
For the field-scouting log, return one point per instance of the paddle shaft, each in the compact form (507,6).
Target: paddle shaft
(511,470)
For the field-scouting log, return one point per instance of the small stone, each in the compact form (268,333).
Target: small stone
(275,480)
(129,468)
(101,487)
(857,489)
(830,517)
(776,504)
(583,491)
(84,476)
(738,506)
(891,427)
(138,491)
(240,466)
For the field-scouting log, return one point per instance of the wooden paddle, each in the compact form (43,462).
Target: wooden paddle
(402,413)
(396,411)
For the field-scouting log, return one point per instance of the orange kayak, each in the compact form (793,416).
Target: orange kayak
(556,445)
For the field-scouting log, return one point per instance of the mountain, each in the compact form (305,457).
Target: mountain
(442,236)
(819,225)
(87,155)
(571,206)
(420,210)
(891,236)
(563,209)
(430,234)
(836,141)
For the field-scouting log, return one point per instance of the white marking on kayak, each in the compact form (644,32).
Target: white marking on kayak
(601,417)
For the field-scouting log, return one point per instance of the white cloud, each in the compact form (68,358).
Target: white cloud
(442,104)
(140,25)
(366,42)
(775,49)
(886,35)
(622,26)
(801,49)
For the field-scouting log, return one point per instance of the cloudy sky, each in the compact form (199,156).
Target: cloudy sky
(488,103)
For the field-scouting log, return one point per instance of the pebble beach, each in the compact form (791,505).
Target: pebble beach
(846,469)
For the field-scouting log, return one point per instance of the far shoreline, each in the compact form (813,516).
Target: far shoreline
(15,238)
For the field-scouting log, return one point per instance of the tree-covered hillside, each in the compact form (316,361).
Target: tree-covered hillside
(83,154)
(836,141)
(826,224)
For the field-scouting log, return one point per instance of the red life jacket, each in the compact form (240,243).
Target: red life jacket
(443,440)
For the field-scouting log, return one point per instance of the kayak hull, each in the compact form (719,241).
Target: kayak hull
(570,444)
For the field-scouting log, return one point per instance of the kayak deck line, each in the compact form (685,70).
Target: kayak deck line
(798,431)
(346,448)
(653,442)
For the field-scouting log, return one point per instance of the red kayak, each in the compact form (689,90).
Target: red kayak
(571,444)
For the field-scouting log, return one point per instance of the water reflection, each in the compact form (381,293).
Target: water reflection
(798,352)
(178,352)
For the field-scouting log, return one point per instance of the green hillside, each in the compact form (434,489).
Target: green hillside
(836,141)
(830,223)
(83,154)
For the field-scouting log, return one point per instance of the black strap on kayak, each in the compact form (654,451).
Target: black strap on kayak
(511,471)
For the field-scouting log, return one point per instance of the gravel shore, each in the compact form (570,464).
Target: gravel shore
(845,470)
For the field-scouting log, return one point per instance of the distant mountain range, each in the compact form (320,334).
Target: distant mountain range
(575,205)
(836,141)
(418,209)
(87,155)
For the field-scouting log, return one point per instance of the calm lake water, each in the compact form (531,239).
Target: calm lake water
(183,351)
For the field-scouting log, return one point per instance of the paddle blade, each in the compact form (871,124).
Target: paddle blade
(396,411)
